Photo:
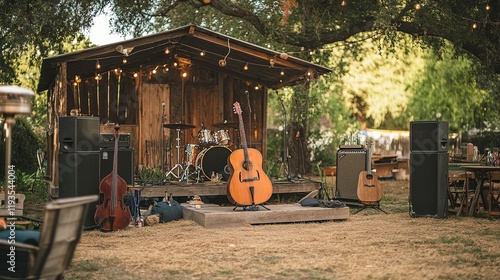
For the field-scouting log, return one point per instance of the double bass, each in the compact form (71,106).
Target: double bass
(247,185)
(113,214)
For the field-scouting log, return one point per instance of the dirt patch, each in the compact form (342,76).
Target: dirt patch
(369,245)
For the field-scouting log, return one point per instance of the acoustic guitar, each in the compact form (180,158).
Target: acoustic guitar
(247,185)
(369,189)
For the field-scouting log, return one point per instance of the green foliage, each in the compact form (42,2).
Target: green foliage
(24,147)
(150,176)
(448,90)
(38,28)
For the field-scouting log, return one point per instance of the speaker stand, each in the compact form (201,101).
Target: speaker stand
(372,206)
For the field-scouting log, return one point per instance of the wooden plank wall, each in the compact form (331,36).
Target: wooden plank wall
(151,112)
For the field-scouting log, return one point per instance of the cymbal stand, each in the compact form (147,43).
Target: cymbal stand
(177,165)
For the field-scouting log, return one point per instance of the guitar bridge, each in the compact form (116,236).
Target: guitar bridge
(250,179)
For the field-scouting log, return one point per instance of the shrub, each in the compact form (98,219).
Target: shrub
(25,144)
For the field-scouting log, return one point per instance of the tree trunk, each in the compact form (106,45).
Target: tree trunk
(300,163)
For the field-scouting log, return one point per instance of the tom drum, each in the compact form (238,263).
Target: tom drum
(222,137)
(206,137)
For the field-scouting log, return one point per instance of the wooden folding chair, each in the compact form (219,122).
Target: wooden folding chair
(458,191)
(60,233)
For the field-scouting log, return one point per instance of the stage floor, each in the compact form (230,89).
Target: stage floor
(182,189)
(215,216)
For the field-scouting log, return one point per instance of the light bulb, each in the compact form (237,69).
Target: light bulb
(167,51)
(245,67)
(202,53)
(124,61)
(97,65)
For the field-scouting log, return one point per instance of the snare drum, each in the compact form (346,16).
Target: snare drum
(206,138)
(222,137)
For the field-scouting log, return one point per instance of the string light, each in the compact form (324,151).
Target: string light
(418,6)
(474,26)
(202,53)
(98,77)
(167,51)
(488,7)
(124,60)
(343,3)
(245,67)
(135,74)
(282,73)
(154,70)
(97,65)
(184,74)
(78,79)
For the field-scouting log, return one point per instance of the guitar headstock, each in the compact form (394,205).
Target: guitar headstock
(237,108)
(368,143)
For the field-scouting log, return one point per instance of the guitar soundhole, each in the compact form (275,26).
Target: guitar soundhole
(369,176)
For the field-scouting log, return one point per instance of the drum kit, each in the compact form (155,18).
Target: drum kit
(205,160)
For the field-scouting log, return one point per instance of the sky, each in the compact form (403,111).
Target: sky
(100,34)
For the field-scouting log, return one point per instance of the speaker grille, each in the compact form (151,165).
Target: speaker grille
(431,136)
(350,162)
(125,164)
(428,184)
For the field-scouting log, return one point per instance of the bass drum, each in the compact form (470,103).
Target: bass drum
(214,159)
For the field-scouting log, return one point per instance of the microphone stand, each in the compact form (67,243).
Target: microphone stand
(286,156)
(162,154)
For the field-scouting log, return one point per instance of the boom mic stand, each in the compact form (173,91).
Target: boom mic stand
(285,163)
(162,154)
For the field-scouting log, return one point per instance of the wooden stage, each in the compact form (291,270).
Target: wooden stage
(182,189)
(215,216)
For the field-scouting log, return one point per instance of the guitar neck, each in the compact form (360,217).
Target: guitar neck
(243,137)
(369,158)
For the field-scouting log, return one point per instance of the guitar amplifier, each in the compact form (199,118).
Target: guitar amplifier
(350,162)
(107,140)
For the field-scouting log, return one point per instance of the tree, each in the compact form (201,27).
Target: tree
(39,28)
(305,27)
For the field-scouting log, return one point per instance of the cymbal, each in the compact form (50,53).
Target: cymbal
(226,124)
(179,125)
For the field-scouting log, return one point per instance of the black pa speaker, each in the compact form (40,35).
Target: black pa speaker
(430,136)
(428,184)
(78,134)
(79,176)
(350,162)
(125,163)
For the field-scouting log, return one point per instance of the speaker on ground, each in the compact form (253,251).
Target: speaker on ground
(79,176)
(428,184)
(350,162)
